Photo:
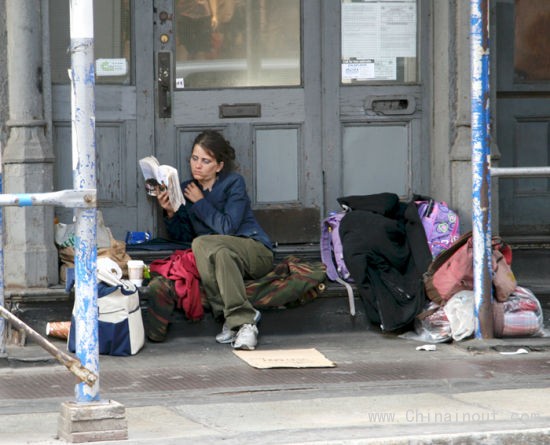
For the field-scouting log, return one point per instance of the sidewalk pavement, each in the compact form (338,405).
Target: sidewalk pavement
(381,391)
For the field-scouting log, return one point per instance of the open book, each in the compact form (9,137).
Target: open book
(161,177)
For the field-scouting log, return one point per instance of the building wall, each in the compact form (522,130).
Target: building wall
(3,75)
(451,150)
(451,120)
(451,147)
(450,102)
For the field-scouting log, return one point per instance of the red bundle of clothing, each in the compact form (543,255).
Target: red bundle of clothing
(181,268)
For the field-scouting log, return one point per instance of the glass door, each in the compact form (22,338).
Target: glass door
(320,98)
(381,129)
(239,66)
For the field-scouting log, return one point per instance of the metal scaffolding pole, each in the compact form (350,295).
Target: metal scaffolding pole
(84,177)
(481,176)
(73,423)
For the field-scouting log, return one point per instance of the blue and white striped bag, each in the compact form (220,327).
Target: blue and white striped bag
(120,324)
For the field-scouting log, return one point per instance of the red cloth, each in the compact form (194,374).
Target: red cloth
(182,269)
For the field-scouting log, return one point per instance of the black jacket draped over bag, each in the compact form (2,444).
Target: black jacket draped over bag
(386,252)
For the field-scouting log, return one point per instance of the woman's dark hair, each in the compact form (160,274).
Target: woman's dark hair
(218,147)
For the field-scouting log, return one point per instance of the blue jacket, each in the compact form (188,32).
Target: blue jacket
(225,210)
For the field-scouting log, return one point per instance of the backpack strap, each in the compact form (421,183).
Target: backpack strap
(326,250)
(328,260)
(351,297)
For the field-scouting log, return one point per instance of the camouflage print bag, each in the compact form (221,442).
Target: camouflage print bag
(292,282)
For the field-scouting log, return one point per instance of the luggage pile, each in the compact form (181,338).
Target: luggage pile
(449,314)
(414,271)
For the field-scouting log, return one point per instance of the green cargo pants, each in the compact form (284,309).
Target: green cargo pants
(224,262)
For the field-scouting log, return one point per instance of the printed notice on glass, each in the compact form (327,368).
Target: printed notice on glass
(360,31)
(385,68)
(378,31)
(398,29)
(358,69)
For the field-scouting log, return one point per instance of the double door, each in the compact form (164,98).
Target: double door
(319,98)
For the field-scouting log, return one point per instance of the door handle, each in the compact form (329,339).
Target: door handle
(164,82)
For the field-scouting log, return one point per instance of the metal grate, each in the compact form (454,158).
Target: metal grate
(59,383)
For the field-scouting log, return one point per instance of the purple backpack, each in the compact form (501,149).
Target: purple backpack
(441,225)
(332,254)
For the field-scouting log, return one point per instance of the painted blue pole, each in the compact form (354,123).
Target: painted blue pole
(84,177)
(481,176)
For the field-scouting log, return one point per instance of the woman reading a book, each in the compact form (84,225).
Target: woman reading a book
(228,243)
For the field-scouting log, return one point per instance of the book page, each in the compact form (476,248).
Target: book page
(168,177)
(149,166)
(165,172)
(174,192)
(162,177)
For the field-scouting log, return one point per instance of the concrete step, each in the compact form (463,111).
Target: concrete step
(324,315)
(308,252)
(531,259)
(531,265)
(328,313)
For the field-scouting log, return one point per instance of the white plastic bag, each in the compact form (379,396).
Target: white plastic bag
(65,233)
(460,312)
(432,328)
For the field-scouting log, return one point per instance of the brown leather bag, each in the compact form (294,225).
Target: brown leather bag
(504,280)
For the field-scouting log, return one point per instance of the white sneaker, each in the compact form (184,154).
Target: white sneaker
(247,337)
(227,335)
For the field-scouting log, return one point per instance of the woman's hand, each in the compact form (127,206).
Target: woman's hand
(164,202)
(192,192)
